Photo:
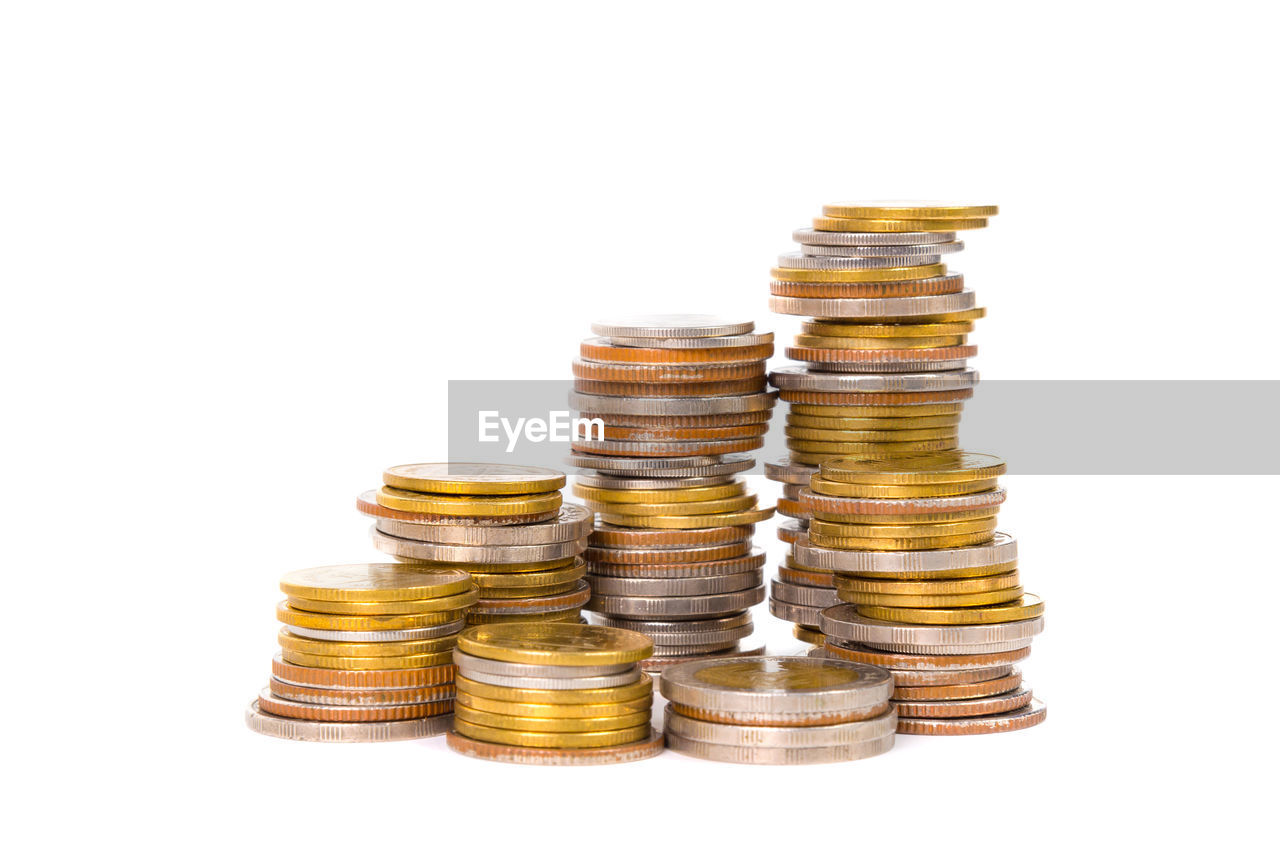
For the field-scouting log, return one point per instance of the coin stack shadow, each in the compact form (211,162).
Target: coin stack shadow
(884,355)
(553,694)
(778,710)
(932,588)
(505,525)
(677,400)
(366,654)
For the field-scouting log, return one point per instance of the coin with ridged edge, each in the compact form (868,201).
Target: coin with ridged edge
(1028,607)
(879,308)
(408,606)
(747,755)
(923,662)
(959,691)
(899,250)
(633,752)
(966,708)
(559,694)
(778,735)
(908,210)
(270,704)
(470,665)
(777,685)
(996,557)
(463,712)
(677,606)
(334,731)
(473,478)
(1029,715)
(321,677)
(361,697)
(843,622)
(814,237)
(572,523)
(603,738)
(418,550)
(556,644)
(373,582)
(689,586)
(603,405)
(672,326)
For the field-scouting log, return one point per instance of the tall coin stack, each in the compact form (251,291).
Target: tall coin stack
(365,654)
(504,524)
(778,710)
(884,354)
(553,694)
(676,401)
(932,588)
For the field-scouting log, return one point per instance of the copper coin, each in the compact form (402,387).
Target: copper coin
(320,677)
(1028,716)
(678,434)
(997,705)
(281,707)
(678,569)
(789,507)
(931,354)
(790,530)
(666,449)
(361,697)
(960,690)
(806,577)
(535,604)
(367,504)
(921,678)
(676,389)
(787,720)
(948,284)
(732,419)
(832,398)
(651,746)
(611,536)
(649,557)
(916,661)
(609,372)
(598,350)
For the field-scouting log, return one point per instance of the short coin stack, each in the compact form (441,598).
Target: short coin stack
(553,694)
(778,710)
(504,524)
(680,399)
(933,589)
(366,653)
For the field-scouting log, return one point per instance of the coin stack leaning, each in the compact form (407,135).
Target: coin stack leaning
(504,524)
(678,400)
(366,653)
(553,694)
(932,589)
(775,710)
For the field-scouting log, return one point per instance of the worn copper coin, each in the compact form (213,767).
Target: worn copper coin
(1027,716)
(996,705)
(959,691)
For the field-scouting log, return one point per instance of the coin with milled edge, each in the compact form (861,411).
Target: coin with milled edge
(604,405)
(559,710)
(600,350)
(892,506)
(805,379)
(924,662)
(335,731)
(959,691)
(843,622)
(571,524)
(972,707)
(534,604)
(373,582)
(604,738)
(900,250)
(750,755)
(558,693)
(385,541)
(470,665)
(786,471)
(677,606)
(367,503)
(940,587)
(804,615)
(1028,607)
(543,683)
(931,468)
(473,478)
(270,704)
(603,585)
(683,628)
(361,697)
(797,594)
(884,308)
(993,558)
(467,505)
(777,732)
(800,261)
(437,620)
(516,755)
(814,237)
(393,635)
(753,339)
(463,712)
(941,678)
(908,210)
(603,481)
(1028,716)
(672,326)
(712,520)
(320,677)
(612,537)
(556,644)
(407,606)
(823,223)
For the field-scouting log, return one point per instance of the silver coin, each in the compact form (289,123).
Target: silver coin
(729,464)
(813,237)
(634,449)
(919,678)
(659,663)
(801,615)
(604,585)
(789,530)
(380,636)
(468,665)
(876,307)
(666,644)
(332,731)
(781,685)
(435,552)
(886,367)
(800,261)
(356,697)
(926,563)
(903,251)
(933,504)
(673,650)
(798,594)
(602,481)
(933,709)
(803,379)
(742,735)
(303,706)
(599,404)
(1027,716)
(754,339)
(649,563)
(791,491)
(573,523)
(714,605)
(785,471)
(778,755)
(544,683)
(684,628)
(653,466)
(672,326)
(843,622)
(959,665)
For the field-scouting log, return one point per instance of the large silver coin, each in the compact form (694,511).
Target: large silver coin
(778,755)
(754,339)
(885,367)
(543,683)
(714,605)
(679,628)
(777,685)
(729,464)
(361,697)
(672,651)
(803,379)
(843,622)
(803,615)
(380,636)
(785,471)
(469,665)
(822,735)
(881,506)
(670,644)
(879,307)
(672,326)
(813,237)
(800,261)
(573,523)
(599,404)
(603,481)
(903,251)
(329,731)
(691,570)
(604,585)
(385,542)
(928,563)
(809,597)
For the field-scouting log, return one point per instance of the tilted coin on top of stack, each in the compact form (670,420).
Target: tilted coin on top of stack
(553,694)
(366,653)
(776,710)
(506,525)
(884,353)
(933,590)
(679,399)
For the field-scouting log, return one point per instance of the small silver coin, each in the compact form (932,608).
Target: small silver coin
(778,755)
(380,636)
(886,366)
(801,615)
(437,553)
(602,481)
(636,449)
(927,563)
(797,594)
(609,405)
(604,585)
(742,735)
(659,607)
(903,251)
(754,339)
(993,705)
(879,307)
(572,523)
(785,471)
(801,261)
(682,628)
(728,464)
(813,237)
(672,326)
(468,665)
(331,731)
(560,683)
(804,379)
(844,623)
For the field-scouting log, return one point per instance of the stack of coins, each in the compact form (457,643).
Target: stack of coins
(933,589)
(365,653)
(677,401)
(504,524)
(778,710)
(553,694)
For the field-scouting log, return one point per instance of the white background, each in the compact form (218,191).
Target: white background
(244,246)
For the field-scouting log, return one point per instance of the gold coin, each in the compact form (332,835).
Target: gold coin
(687,508)
(408,606)
(915,575)
(523,581)
(607,738)
(714,520)
(855,449)
(808,635)
(558,710)
(823,486)
(629,693)
(385,662)
(944,600)
(507,722)
(373,582)
(866,436)
(832,343)
(556,644)
(888,425)
(943,467)
(473,478)
(464,505)
(570,615)
(886,274)
(927,588)
(875,329)
(910,410)
(364,649)
(902,531)
(826,223)
(907,518)
(1026,608)
(364,622)
(908,210)
(491,593)
(660,496)
(899,544)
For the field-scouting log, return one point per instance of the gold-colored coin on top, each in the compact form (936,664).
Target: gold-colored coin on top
(885,274)
(364,622)
(399,606)
(473,478)
(908,210)
(1027,608)
(464,505)
(555,643)
(935,467)
(828,223)
(373,582)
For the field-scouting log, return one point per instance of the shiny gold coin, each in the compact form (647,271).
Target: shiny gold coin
(810,636)
(556,644)
(607,738)
(919,530)
(887,425)
(473,478)
(462,505)
(373,582)
(1028,607)
(858,449)
(878,411)
(559,710)
(905,518)
(866,436)
(408,606)
(875,329)
(899,544)
(817,458)
(385,662)
(687,508)
(914,575)
(364,622)
(824,223)
(886,274)
(507,722)
(943,467)
(660,496)
(513,568)
(714,520)
(527,581)
(946,600)
(569,615)
(360,649)
(819,342)
(911,490)
(908,210)
(968,314)
(491,593)
(980,584)
(633,692)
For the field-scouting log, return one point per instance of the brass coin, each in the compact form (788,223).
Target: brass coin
(570,615)
(916,661)
(908,345)
(449,604)
(1027,716)
(666,449)
(461,505)
(610,537)
(823,486)
(869,436)
(473,478)
(361,680)
(933,286)
(666,374)
(876,329)
(714,520)
(290,642)
(606,738)
(894,544)
(885,274)
(879,358)
(927,588)
(852,399)
(507,722)
(685,508)
(633,752)
(367,503)
(1028,607)
(660,496)
(651,389)
(362,697)
(944,467)
(386,662)
(808,635)
(575,598)
(364,622)
(373,582)
(560,710)
(923,530)
(596,350)
(943,600)
(965,515)
(824,223)
(886,425)
(856,449)
(556,644)
(967,708)
(528,581)
(908,210)
(632,692)
(285,708)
